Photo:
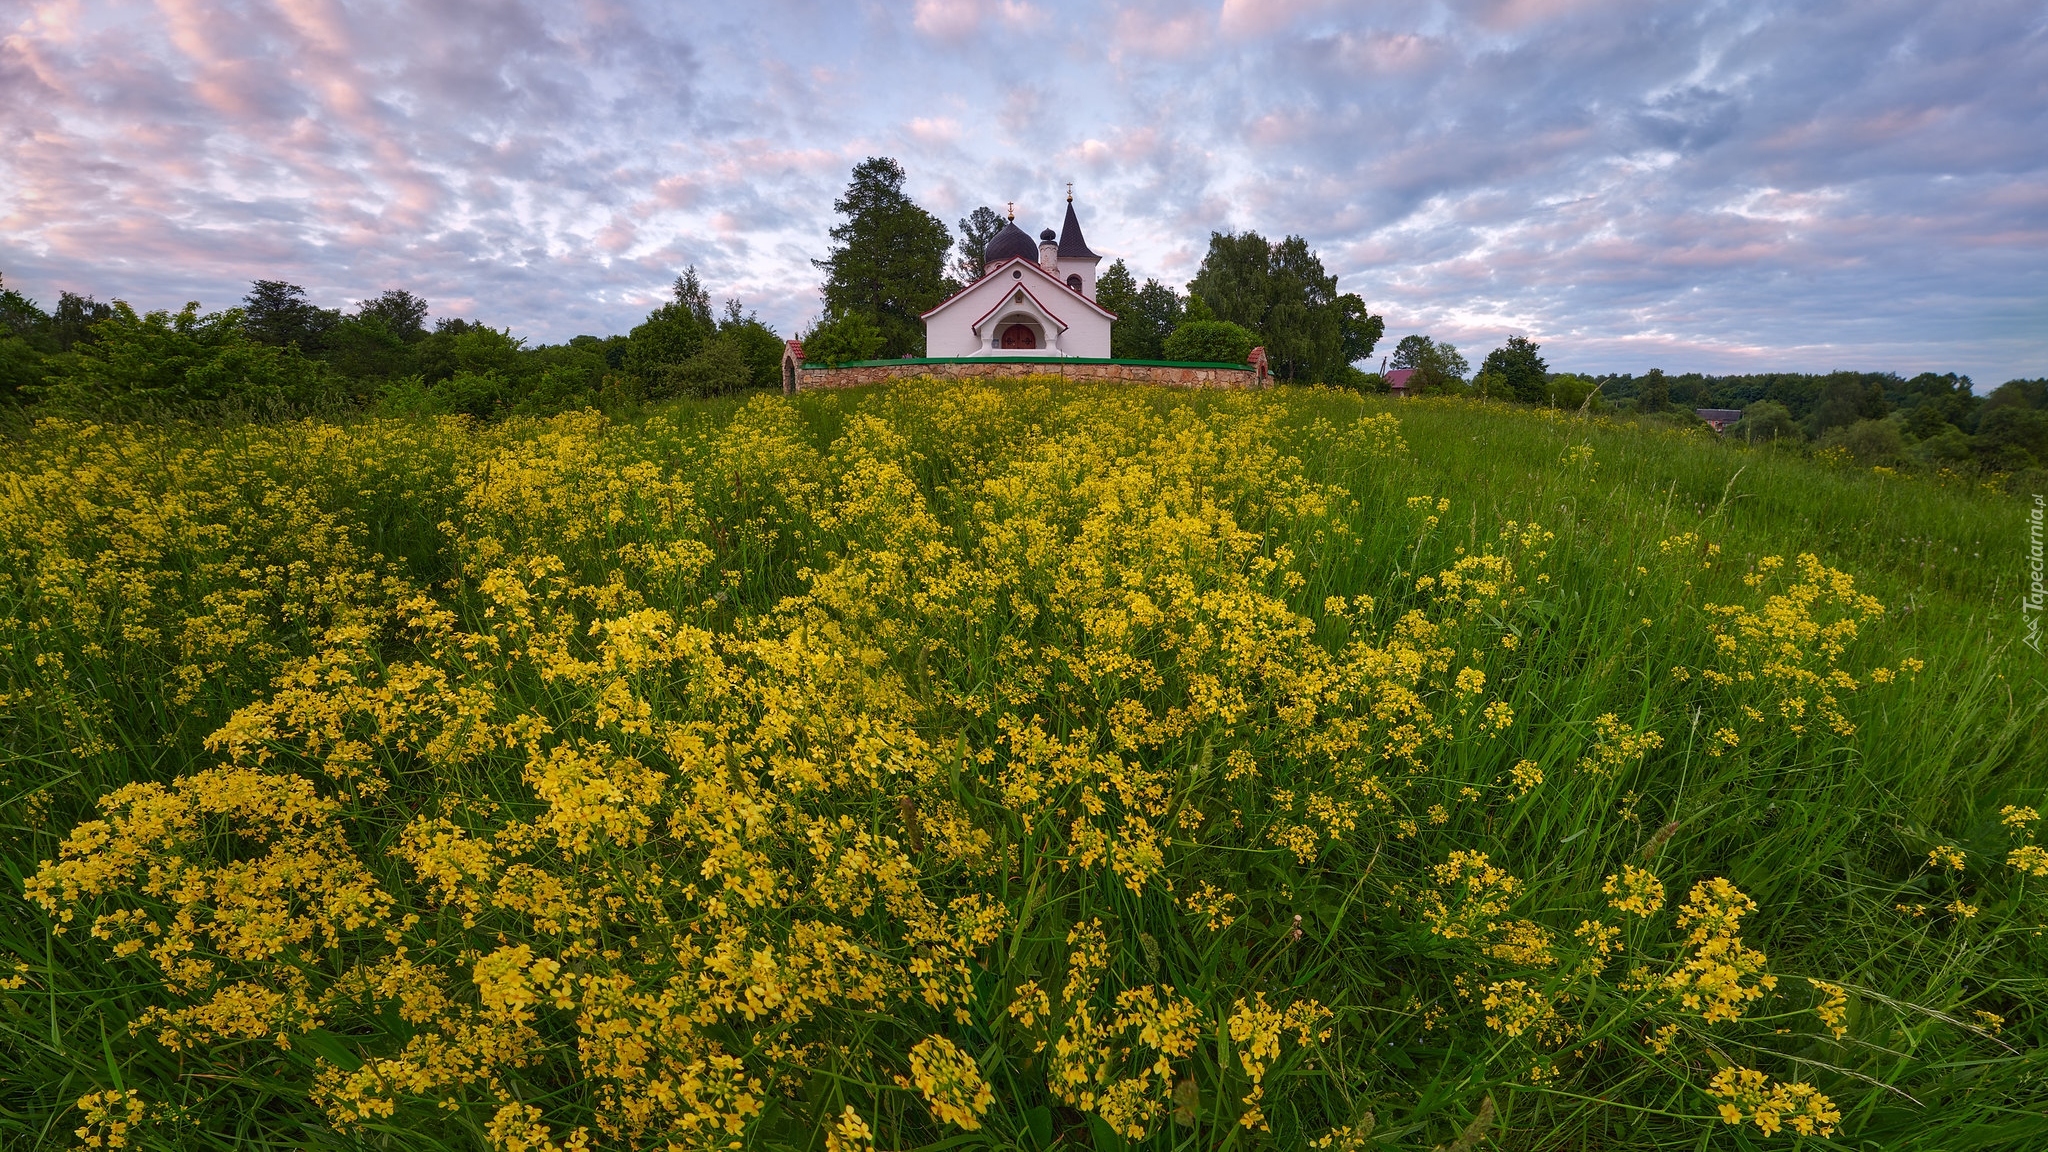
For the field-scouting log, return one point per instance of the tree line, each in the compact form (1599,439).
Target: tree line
(1931,421)
(276,353)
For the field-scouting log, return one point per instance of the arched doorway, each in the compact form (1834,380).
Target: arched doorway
(1019,336)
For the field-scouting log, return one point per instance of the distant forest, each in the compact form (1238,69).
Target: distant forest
(1933,420)
(278,354)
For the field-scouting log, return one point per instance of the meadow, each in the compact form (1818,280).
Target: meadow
(1012,766)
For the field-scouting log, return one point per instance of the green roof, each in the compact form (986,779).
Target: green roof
(1030,360)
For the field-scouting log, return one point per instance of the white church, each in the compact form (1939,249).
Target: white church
(1032,299)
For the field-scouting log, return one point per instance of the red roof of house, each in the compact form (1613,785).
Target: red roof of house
(1398,378)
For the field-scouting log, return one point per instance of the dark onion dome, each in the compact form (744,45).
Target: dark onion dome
(1046,237)
(1071,244)
(1011,242)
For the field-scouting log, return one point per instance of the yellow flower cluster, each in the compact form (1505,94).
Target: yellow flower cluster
(1616,744)
(1722,977)
(1747,1094)
(111,1118)
(1634,890)
(1099,1051)
(1468,896)
(1779,663)
(1255,1030)
(668,764)
(2029,858)
(950,1083)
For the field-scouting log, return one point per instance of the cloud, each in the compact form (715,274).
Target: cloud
(956,20)
(1751,184)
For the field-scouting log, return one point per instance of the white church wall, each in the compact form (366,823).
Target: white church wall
(951,332)
(1066,325)
(1085,269)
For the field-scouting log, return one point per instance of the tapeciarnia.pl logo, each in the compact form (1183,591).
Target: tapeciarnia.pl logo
(2037,573)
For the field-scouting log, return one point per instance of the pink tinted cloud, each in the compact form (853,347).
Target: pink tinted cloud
(1745,175)
(955,20)
(1259,17)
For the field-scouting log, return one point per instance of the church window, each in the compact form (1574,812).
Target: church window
(1074,281)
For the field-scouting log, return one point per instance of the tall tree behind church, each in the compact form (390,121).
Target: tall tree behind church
(888,259)
(976,231)
(1282,292)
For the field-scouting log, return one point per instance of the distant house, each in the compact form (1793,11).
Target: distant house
(1397,380)
(1719,418)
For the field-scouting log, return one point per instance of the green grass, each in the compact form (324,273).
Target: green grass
(153,582)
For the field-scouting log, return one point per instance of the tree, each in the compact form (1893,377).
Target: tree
(362,348)
(1868,441)
(277,313)
(21,367)
(1361,330)
(843,339)
(1654,393)
(976,231)
(76,317)
(888,260)
(1925,421)
(1282,293)
(690,294)
(1567,391)
(670,335)
(19,316)
(2018,394)
(1519,372)
(182,365)
(1766,422)
(24,338)
(1117,291)
(2011,437)
(1145,316)
(1210,342)
(717,368)
(757,344)
(1159,311)
(1438,367)
(1846,398)
(402,314)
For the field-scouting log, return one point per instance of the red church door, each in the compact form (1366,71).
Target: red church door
(1019,336)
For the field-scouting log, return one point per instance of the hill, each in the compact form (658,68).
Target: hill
(1012,766)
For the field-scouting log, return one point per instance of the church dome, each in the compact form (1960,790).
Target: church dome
(1046,237)
(1011,241)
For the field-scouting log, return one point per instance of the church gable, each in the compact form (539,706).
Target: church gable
(1032,297)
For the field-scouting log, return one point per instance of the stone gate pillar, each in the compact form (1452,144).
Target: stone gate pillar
(792,365)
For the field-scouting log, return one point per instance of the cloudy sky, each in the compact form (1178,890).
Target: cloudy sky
(1717,186)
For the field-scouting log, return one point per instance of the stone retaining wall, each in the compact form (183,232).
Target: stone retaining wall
(809,377)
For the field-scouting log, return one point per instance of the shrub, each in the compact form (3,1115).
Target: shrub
(842,339)
(760,348)
(1565,390)
(1868,441)
(1210,342)
(718,368)
(1766,421)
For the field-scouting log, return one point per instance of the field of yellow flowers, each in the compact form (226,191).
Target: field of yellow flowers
(1011,765)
